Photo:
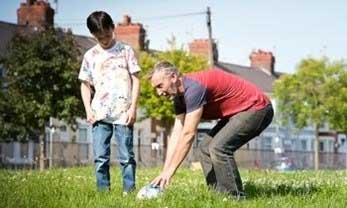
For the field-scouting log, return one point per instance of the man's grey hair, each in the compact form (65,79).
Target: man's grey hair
(164,66)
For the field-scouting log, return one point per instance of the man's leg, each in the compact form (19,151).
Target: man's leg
(205,158)
(102,133)
(124,138)
(238,131)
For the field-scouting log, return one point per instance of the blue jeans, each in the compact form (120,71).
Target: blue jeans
(102,134)
(218,148)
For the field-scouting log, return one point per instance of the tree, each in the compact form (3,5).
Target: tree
(305,97)
(40,82)
(337,104)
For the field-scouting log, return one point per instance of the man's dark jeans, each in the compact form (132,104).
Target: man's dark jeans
(217,149)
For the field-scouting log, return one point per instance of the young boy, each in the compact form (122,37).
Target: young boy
(110,68)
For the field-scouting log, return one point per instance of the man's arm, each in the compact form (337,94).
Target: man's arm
(135,91)
(185,140)
(86,92)
(184,143)
(172,142)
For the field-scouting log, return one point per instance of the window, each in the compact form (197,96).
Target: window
(2,75)
(83,152)
(63,128)
(83,135)
(321,146)
(330,145)
(287,144)
(24,150)
(266,143)
(303,145)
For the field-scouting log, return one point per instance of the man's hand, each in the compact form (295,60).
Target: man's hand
(131,116)
(91,117)
(163,180)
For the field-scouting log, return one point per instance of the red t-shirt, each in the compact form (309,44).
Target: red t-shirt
(221,94)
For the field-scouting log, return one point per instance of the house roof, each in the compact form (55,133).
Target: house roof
(84,42)
(260,77)
(8,30)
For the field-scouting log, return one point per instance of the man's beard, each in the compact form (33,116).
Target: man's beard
(173,93)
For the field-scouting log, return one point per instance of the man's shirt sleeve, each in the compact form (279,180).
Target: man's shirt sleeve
(194,98)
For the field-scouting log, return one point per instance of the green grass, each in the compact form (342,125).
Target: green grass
(75,187)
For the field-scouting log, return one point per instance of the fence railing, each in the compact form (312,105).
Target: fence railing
(66,154)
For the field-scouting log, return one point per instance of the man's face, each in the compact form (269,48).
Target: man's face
(105,38)
(165,84)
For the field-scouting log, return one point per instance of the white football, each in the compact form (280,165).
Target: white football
(149,192)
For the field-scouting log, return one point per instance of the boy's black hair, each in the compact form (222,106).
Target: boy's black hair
(99,21)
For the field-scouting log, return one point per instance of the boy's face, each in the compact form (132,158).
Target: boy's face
(105,38)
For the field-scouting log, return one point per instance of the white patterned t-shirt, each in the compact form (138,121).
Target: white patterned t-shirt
(109,71)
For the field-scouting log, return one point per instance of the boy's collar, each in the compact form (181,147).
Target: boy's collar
(113,45)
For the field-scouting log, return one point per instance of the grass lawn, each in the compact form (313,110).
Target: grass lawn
(75,187)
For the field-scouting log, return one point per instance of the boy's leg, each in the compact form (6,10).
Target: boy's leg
(124,138)
(102,133)
(238,131)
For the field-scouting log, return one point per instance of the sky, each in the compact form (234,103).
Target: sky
(292,30)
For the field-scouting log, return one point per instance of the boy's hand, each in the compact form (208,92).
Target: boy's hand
(91,117)
(131,116)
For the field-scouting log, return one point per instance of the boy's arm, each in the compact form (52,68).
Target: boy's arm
(86,92)
(135,91)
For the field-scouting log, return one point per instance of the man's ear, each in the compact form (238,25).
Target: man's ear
(174,77)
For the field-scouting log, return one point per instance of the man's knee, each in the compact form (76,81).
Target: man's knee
(204,144)
(219,152)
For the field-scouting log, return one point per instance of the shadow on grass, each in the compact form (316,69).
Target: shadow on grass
(256,191)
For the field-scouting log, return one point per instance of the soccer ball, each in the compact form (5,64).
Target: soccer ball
(149,192)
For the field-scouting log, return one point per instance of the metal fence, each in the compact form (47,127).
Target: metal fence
(67,154)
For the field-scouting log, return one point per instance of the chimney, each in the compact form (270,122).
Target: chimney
(131,33)
(201,47)
(35,13)
(263,60)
